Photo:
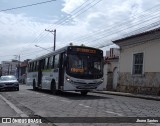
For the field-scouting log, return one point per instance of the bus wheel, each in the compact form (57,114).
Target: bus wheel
(53,88)
(34,85)
(84,92)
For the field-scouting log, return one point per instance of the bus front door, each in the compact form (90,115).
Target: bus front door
(40,73)
(61,71)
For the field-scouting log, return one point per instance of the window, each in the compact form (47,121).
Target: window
(84,66)
(29,67)
(37,65)
(32,66)
(138,63)
(46,63)
(43,64)
(56,61)
(51,62)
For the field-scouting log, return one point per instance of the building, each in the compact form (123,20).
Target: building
(9,67)
(111,69)
(23,71)
(139,65)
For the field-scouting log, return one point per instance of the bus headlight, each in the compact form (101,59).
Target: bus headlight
(68,79)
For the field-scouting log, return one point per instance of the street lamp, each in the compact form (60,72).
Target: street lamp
(43,48)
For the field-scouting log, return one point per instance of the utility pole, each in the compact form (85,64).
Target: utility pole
(18,68)
(54,33)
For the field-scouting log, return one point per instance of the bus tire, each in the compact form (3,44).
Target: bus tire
(17,89)
(34,85)
(84,93)
(53,87)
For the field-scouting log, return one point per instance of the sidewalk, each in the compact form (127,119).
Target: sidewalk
(148,97)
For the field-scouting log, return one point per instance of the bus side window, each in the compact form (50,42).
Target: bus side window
(46,63)
(43,64)
(50,62)
(56,61)
(32,67)
(53,61)
(35,65)
(65,59)
(29,67)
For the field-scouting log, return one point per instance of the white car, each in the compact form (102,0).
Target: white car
(9,82)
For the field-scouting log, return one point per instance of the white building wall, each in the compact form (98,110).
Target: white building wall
(149,81)
(151,56)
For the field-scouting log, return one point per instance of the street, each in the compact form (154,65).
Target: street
(68,104)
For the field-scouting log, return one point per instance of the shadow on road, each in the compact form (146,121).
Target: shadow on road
(73,95)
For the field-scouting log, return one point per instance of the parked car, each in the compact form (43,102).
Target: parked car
(9,82)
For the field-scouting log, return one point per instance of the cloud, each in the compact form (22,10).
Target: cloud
(110,15)
(18,25)
(70,5)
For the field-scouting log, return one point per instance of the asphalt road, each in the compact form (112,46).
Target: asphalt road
(69,104)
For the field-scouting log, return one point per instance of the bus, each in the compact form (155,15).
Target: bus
(71,68)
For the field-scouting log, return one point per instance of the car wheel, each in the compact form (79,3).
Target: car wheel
(53,88)
(34,85)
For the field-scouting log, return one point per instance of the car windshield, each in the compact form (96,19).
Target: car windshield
(7,78)
(84,66)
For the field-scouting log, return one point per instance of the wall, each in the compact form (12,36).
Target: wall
(149,82)
(151,51)
(108,73)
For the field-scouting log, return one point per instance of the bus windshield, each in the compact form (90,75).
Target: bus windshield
(85,66)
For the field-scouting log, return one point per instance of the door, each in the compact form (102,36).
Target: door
(56,70)
(40,66)
(61,71)
(115,78)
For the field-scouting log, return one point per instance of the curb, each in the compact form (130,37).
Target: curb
(148,97)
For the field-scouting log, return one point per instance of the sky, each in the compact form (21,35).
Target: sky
(94,23)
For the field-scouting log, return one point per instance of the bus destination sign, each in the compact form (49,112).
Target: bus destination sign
(86,50)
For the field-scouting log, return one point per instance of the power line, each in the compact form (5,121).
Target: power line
(14,8)
(114,30)
(112,27)
(119,30)
(43,34)
(77,10)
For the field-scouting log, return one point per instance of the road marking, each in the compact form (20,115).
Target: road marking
(114,113)
(43,95)
(65,101)
(37,93)
(85,106)
(17,110)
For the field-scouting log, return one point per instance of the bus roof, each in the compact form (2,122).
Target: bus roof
(59,51)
